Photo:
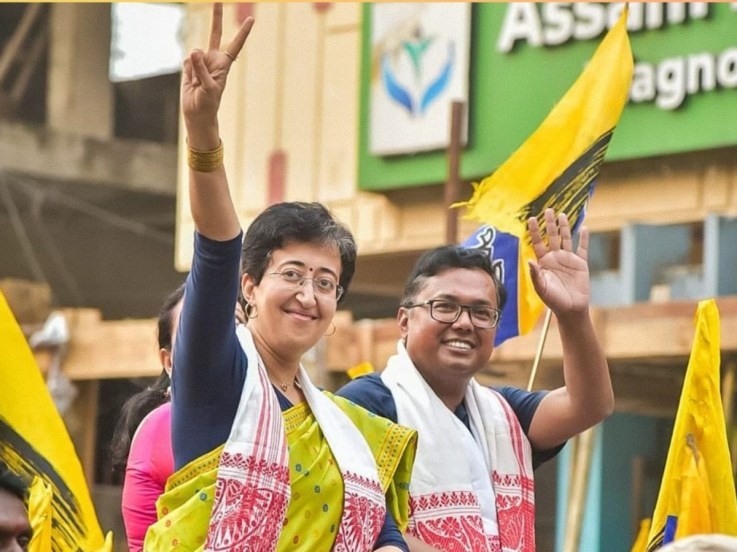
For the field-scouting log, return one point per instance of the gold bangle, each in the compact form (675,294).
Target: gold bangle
(205,161)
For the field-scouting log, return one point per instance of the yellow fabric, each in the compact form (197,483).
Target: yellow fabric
(316,504)
(523,185)
(315,508)
(34,443)
(698,483)
(360,370)
(40,514)
(695,518)
(640,544)
(394,447)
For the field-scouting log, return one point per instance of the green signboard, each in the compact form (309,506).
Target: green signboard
(525,56)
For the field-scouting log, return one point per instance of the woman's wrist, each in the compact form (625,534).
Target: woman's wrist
(205,160)
(203,138)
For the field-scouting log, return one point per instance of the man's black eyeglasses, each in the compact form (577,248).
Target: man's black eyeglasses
(448,312)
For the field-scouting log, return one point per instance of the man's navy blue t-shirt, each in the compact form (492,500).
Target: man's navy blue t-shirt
(370,392)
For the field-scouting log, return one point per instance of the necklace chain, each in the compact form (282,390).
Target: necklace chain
(284,386)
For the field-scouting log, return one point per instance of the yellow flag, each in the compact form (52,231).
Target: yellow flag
(40,515)
(360,370)
(695,518)
(35,445)
(697,493)
(556,167)
(640,544)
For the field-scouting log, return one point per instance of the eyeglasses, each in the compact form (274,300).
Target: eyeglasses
(448,312)
(322,286)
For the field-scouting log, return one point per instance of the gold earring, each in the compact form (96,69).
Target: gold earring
(251,311)
(334,329)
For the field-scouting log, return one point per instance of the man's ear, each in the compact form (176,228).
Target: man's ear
(403,322)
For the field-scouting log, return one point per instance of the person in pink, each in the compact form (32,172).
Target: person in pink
(141,443)
(150,463)
(142,439)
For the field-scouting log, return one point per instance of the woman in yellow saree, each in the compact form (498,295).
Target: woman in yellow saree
(266,461)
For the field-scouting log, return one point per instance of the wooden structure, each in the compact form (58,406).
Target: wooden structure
(21,55)
(647,346)
(294,136)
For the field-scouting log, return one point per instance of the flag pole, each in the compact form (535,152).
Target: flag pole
(578,489)
(540,347)
(453,182)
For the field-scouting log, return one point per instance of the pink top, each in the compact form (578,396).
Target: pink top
(150,463)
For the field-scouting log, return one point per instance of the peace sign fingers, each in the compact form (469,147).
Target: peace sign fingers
(216,29)
(216,34)
(236,45)
(205,74)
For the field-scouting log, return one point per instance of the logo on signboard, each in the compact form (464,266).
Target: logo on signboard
(419,65)
(413,90)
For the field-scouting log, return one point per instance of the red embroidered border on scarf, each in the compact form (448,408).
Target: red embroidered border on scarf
(445,509)
(449,521)
(252,492)
(253,486)
(515,493)
(364,511)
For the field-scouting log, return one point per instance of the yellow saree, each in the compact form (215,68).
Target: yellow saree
(316,504)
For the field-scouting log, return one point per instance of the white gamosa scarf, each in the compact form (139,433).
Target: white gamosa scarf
(470,491)
(253,489)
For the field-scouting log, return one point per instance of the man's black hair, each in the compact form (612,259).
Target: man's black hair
(12,483)
(446,257)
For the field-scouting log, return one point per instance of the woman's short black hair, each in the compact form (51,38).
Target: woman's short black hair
(296,222)
(445,257)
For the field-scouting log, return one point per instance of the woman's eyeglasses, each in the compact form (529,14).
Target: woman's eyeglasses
(324,285)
